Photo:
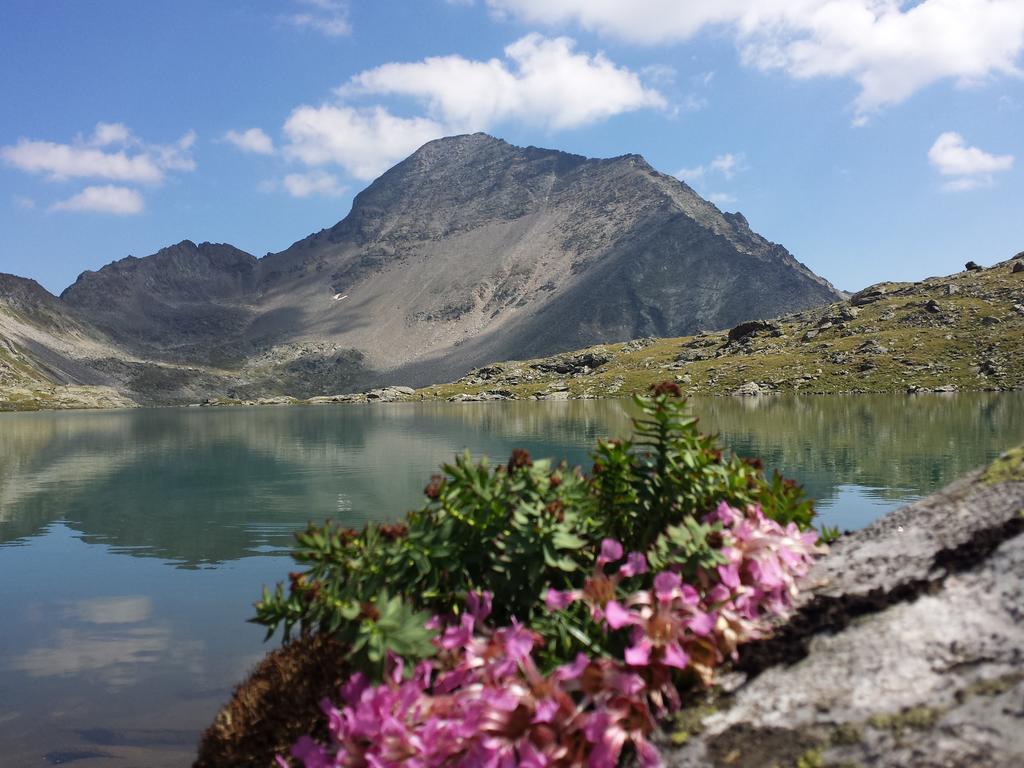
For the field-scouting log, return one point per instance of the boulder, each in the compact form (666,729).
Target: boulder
(907,651)
(752,328)
(872,347)
(868,296)
(1018,267)
(971,266)
(750,389)
(572,364)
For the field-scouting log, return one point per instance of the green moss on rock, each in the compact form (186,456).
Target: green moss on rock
(1007,468)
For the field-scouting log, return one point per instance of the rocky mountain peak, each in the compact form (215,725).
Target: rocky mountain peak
(470,250)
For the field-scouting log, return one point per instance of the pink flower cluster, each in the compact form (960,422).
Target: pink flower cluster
(483,702)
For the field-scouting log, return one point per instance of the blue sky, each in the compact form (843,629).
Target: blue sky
(875,139)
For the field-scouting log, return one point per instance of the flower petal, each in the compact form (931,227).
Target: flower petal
(616,616)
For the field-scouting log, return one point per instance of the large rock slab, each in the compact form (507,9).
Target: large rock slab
(907,650)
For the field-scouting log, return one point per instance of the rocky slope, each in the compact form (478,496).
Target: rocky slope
(961,332)
(44,349)
(470,250)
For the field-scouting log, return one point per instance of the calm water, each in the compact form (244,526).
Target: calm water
(133,543)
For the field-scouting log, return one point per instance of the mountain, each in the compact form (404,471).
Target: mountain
(468,251)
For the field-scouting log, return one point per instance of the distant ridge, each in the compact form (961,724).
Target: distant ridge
(469,250)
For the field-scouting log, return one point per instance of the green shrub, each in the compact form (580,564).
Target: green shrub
(515,531)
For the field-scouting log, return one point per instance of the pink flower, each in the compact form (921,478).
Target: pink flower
(635,565)
(611,550)
(557,601)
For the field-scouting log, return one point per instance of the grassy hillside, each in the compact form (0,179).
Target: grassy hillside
(963,332)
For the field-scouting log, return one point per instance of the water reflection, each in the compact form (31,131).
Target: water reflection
(202,487)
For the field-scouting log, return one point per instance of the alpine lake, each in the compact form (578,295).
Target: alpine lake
(133,543)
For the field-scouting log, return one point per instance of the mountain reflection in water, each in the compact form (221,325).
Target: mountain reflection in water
(203,487)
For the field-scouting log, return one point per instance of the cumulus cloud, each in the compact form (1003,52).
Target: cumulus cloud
(64,161)
(312,183)
(134,161)
(110,133)
(365,142)
(892,48)
(328,17)
(971,167)
(252,140)
(108,198)
(543,81)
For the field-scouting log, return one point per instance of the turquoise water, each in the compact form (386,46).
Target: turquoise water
(133,543)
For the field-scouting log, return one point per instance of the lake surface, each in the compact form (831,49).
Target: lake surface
(133,543)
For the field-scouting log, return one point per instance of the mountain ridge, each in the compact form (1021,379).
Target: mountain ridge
(469,250)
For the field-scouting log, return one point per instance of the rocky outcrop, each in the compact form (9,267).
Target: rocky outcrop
(907,651)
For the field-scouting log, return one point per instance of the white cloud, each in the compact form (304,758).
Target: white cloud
(892,48)
(110,133)
(328,17)
(23,202)
(64,161)
(727,165)
(722,198)
(252,140)
(971,167)
(142,163)
(542,80)
(312,183)
(103,199)
(691,174)
(365,142)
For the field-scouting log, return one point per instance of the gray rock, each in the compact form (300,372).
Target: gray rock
(933,306)
(872,347)
(276,400)
(752,328)
(574,364)
(1018,267)
(750,389)
(868,296)
(989,320)
(971,266)
(556,395)
(462,397)
(906,652)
